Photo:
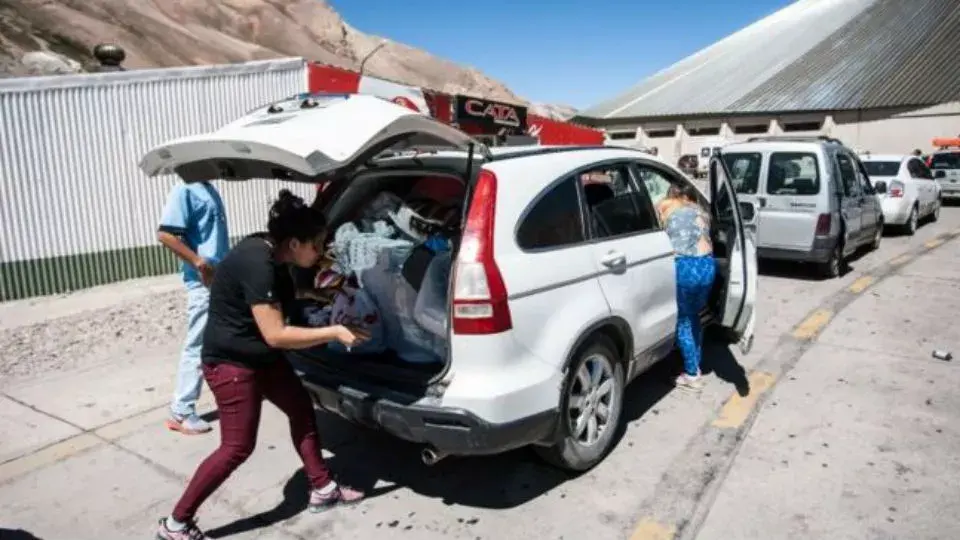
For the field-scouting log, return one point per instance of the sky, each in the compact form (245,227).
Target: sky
(569,52)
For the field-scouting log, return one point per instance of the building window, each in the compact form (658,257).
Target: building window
(802,126)
(661,133)
(755,129)
(704,131)
(622,135)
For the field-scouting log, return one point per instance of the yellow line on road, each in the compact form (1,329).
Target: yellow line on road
(861,284)
(48,456)
(649,529)
(901,259)
(736,410)
(933,243)
(812,325)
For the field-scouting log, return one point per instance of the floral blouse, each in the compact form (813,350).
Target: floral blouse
(688,227)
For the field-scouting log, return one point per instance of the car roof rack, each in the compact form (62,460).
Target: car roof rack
(796,138)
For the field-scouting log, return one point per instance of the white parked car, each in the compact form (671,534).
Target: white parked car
(909,192)
(562,286)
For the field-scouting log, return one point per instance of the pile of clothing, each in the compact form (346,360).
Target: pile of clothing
(388,273)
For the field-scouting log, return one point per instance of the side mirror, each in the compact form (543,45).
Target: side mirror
(748,213)
(940,174)
(880,187)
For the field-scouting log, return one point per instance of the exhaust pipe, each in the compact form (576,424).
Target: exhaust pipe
(431,456)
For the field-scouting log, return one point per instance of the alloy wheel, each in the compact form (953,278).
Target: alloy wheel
(591,399)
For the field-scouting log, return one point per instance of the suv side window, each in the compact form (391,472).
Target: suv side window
(925,171)
(554,220)
(848,175)
(615,204)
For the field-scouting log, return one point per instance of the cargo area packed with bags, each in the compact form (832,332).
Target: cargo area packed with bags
(386,269)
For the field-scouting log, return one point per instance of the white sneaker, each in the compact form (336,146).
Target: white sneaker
(690,382)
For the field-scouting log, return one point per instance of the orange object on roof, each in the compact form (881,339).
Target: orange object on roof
(941,142)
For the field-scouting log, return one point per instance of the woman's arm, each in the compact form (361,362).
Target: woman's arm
(257,268)
(279,335)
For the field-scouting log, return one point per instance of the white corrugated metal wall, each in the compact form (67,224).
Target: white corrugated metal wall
(75,210)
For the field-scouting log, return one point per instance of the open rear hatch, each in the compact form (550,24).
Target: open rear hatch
(315,138)
(309,138)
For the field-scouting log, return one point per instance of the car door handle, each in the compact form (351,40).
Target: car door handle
(614,258)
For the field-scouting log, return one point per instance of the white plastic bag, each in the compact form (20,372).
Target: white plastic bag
(396,300)
(355,308)
(430,311)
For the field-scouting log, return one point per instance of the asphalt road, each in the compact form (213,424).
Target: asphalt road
(838,424)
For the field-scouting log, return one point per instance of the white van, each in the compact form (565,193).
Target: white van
(814,197)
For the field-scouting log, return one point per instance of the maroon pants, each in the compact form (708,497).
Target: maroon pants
(239,392)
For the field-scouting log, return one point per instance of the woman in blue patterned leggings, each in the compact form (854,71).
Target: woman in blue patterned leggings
(688,227)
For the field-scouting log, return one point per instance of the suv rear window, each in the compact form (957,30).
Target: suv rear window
(744,170)
(945,160)
(793,173)
(882,168)
(554,220)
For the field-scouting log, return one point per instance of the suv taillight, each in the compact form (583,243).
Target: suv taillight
(895,190)
(479,295)
(823,225)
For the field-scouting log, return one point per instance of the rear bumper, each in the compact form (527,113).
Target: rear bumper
(449,430)
(896,211)
(819,252)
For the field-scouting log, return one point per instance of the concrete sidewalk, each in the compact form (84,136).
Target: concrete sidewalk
(862,440)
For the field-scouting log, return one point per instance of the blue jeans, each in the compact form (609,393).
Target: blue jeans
(189,375)
(695,277)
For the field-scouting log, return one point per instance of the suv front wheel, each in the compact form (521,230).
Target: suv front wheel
(590,408)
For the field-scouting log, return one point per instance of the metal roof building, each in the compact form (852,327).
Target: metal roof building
(815,61)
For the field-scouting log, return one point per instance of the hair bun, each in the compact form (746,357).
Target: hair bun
(286,201)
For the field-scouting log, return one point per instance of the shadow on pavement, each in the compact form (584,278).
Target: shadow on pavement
(363,458)
(17,534)
(718,359)
(295,499)
(806,271)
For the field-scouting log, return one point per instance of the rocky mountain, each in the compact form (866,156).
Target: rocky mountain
(56,36)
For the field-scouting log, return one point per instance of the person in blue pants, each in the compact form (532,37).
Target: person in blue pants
(688,227)
(194,227)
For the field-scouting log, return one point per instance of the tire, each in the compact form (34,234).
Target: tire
(912,222)
(877,237)
(935,216)
(580,451)
(834,264)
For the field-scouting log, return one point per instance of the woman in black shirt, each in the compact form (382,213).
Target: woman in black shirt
(243,361)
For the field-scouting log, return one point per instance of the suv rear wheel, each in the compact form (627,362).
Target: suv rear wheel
(590,408)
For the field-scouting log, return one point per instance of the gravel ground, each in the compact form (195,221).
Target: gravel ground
(91,327)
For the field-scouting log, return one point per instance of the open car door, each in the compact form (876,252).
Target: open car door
(736,251)
(308,138)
